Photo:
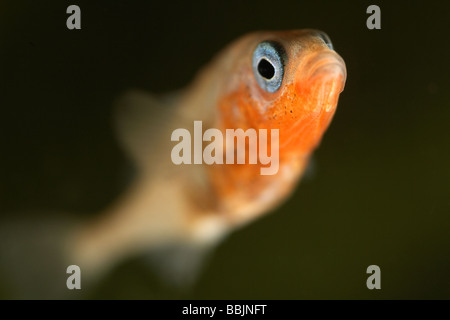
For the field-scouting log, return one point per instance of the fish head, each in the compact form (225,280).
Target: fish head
(286,80)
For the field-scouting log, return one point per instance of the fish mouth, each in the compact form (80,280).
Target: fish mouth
(326,80)
(318,82)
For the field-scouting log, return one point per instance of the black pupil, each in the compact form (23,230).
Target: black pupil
(266,69)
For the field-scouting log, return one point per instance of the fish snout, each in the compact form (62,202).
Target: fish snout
(325,79)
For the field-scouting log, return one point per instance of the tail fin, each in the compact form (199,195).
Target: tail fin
(34,260)
(33,264)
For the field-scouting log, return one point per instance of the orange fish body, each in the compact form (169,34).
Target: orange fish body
(287,80)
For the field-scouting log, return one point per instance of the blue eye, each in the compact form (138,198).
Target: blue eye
(324,37)
(268,65)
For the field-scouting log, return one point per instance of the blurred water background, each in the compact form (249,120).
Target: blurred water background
(380,193)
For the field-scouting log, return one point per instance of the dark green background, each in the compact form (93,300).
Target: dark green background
(380,193)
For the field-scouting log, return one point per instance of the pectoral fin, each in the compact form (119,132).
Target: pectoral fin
(179,265)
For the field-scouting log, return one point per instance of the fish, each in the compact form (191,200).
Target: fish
(288,81)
